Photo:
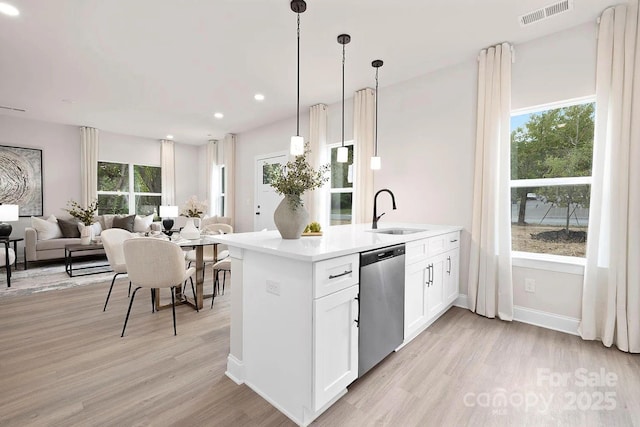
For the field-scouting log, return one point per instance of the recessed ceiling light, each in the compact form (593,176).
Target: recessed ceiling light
(218,115)
(258,97)
(8,9)
(169,136)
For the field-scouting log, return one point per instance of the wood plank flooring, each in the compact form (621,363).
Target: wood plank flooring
(63,363)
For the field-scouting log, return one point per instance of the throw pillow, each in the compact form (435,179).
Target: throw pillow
(46,229)
(142,223)
(125,222)
(69,228)
(106,221)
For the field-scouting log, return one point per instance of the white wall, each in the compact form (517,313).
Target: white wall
(60,145)
(427,144)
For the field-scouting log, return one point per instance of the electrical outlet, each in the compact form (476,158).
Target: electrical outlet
(529,285)
(273,287)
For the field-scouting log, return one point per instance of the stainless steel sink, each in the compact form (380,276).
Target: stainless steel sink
(396,231)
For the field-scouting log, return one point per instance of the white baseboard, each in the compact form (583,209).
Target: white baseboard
(235,370)
(543,319)
(556,322)
(461,301)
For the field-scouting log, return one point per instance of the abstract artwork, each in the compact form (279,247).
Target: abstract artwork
(21,179)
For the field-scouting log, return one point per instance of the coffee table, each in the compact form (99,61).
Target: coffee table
(77,249)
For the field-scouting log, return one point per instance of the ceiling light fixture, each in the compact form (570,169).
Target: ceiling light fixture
(8,9)
(343,153)
(169,136)
(297,142)
(218,115)
(375,160)
(258,97)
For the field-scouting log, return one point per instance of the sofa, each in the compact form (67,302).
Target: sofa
(45,240)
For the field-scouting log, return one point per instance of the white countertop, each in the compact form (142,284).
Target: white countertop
(336,240)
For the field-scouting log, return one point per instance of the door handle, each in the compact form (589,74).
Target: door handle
(334,276)
(431,274)
(357,321)
(449,261)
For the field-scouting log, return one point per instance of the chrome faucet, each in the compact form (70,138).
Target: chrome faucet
(375,207)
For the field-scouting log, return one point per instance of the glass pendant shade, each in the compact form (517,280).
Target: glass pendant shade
(343,155)
(375,163)
(297,146)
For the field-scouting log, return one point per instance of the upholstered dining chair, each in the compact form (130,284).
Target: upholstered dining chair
(112,240)
(207,253)
(155,263)
(224,267)
(7,258)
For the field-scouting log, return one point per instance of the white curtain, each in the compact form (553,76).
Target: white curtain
(228,157)
(363,129)
(89,146)
(168,171)
(490,279)
(611,292)
(213,177)
(317,199)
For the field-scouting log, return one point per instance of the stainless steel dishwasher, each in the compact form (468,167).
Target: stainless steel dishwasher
(381,297)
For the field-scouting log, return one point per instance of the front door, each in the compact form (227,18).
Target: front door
(266,199)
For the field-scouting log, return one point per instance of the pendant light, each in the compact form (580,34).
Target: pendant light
(343,153)
(375,160)
(297,142)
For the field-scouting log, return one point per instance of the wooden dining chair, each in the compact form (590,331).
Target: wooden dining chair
(154,263)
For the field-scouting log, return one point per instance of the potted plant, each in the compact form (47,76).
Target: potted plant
(86,216)
(292,181)
(192,209)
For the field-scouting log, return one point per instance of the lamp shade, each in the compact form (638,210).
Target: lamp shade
(168,211)
(342,155)
(9,212)
(375,163)
(297,146)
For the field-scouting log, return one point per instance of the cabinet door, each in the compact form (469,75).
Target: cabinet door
(451,275)
(415,288)
(335,344)
(435,285)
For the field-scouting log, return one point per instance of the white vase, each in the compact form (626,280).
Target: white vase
(290,222)
(86,235)
(190,231)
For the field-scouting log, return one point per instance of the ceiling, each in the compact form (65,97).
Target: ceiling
(150,68)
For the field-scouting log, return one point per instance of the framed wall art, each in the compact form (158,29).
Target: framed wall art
(21,179)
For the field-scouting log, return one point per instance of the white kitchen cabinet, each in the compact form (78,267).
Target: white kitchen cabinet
(336,344)
(415,295)
(451,276)
(435,285)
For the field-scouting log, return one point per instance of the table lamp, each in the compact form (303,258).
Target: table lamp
(167,213)
(7,213)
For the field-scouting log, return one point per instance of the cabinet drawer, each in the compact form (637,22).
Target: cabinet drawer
(453,240)
(416,251)
(334,274)
(438,244)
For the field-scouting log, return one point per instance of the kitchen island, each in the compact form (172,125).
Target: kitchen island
(294,306)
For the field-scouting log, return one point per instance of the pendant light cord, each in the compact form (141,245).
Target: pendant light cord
(298,95)
(376,147)
(343,95)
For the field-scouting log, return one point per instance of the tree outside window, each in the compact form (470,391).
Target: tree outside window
(116,190)
(551,158)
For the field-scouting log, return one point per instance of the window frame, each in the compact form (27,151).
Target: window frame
(131,194)
(341,190)
(548,261)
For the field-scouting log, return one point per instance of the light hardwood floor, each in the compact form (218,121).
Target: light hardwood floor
(63,363)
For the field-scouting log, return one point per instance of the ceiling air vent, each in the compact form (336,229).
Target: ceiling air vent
(4,107)
(546,12)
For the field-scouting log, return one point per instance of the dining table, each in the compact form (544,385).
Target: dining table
(198,245)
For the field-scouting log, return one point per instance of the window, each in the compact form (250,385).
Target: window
(551,157)
(223,189)
(341,191)
(119,194)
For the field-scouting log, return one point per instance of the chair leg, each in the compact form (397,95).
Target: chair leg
(126,319)
(173,308)
(153,300)
(110,288)
(129,293)
(224,279)
(194,296)
(215,283)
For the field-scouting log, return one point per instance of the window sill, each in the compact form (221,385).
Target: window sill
(558,263)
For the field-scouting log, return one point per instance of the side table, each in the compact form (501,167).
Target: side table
(69,250)
(15,241)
